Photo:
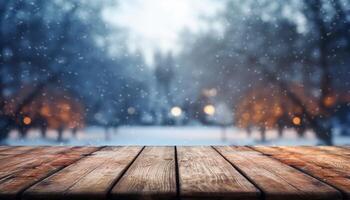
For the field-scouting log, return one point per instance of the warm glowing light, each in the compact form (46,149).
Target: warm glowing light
(45,111)
(27,120)
(329,101)
(65,106)
(209,109)
(277,111)
(176,111)
(296,121)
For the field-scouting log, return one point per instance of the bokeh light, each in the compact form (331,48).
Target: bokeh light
(176,111)
(209,109)
(27,120)
(296,121)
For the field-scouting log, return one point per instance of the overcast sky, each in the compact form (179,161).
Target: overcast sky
(157,24)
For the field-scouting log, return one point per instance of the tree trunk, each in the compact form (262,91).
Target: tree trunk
(323,132)
(263,133)
(5,127)
(4,132)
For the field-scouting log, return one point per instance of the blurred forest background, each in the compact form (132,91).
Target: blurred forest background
(256,66)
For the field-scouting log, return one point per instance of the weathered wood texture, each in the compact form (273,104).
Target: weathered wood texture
(151,176)
(24,172)
(224,172)
(275,179)
(335,150)
(89,178)
(205,173)
(330,168)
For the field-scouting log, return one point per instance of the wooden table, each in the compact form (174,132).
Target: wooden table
(135,172)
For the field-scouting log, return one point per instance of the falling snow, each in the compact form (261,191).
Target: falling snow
(269,72)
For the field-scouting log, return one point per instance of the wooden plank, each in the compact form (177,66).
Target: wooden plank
(9,152)
(332,171)
(309,150)
(3,148)
(97,183)
(151,176)
(316,150)
(11,186)
(334,150)
(275,179)
(28,159)
(335,162)
(17,150)
(89,178)
(205,173)
(270,150)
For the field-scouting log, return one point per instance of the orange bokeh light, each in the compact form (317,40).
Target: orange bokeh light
(27,120)
(296,121)
(329,101)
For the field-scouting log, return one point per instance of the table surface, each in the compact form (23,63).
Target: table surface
(181,172)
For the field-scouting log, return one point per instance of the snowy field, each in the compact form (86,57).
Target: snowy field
(154,135)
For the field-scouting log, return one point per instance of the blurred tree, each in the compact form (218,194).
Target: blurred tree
(278,45)
(164,73)
(268,107)
(53,44)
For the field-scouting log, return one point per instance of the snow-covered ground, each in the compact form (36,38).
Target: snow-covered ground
(154,135)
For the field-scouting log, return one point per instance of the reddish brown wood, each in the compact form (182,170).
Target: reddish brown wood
(89,178)
(3,148)
(195,173)
(205,173)
(24,176)
(28,158)
(151,176)
(277,180)
(330,168)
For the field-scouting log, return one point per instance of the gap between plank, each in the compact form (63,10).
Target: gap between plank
(261,191)
(177,175)
(342,193)
(20,193)
(109,196)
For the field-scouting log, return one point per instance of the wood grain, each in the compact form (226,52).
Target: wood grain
(89,178)
(151,176)
(309,150)
(277,180)
(205,173)
(3,148)
(12,185)
(28,159)
(7,152)
(162,173)
(16,150)
(331,169)
(335,162)
(343,151)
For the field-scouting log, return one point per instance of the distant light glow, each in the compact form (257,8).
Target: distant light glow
(329,101)
(176,111)
(131,110)
(27,120)
(296,121)
(209,109)
(210,92)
